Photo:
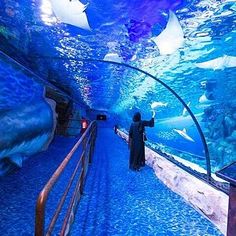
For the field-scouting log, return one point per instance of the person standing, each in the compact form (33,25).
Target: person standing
(136,141)
(116,129)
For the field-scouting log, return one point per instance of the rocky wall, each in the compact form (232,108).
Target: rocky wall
(206,199)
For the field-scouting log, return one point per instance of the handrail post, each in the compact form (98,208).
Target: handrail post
(81,188)
(40,229)
(90,151)
(93,141)
(91,145)
(83,165)
(40,216)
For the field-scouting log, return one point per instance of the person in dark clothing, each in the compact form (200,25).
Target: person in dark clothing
(116,129)
(136,141)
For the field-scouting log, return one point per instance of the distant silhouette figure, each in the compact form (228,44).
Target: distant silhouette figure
(115,129)
(209,86)
(84,125)
(136,141)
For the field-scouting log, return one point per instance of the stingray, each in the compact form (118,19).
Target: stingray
(219,63)
(171,38)
(71,12)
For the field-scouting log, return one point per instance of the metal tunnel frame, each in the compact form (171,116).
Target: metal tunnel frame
(208,163)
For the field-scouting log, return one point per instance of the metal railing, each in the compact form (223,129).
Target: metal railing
(87,141)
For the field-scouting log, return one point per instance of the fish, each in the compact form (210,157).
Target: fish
(113,57)
(184,113)
(71,12)
(155,105)
(184,134)
(25,130)
(204,100)
(218,63)
(171,38)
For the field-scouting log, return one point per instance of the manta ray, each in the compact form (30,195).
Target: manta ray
(219,63)
(71,12)
(171,38)
(184,134)
(184,113)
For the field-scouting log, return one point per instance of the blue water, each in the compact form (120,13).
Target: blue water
(116,201)
(30,33)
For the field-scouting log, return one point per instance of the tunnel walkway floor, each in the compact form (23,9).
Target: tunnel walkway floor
(118,201)
(19,190)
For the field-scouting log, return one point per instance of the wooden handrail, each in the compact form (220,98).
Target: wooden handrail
(88,141)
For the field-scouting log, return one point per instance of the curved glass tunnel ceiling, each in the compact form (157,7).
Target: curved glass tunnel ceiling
(189,45)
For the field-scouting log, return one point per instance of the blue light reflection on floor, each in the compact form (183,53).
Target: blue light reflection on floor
(118,201)
(19,190)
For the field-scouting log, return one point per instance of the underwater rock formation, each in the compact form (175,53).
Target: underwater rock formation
(220,132)
(211,202)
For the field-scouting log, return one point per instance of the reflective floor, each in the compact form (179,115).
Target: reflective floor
(116,201)
(19,190)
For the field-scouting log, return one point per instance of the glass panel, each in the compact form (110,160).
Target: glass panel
(120,91)
(199,65)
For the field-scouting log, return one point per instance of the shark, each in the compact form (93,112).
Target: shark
(71,12)
(155,105)
(25,130)
(184,134)
(171,38)
(219,63)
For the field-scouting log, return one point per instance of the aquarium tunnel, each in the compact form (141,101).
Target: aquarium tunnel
(66,62)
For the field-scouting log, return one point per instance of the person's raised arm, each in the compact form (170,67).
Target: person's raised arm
(153,114)
(150,123)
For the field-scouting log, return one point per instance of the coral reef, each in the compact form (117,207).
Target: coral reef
(220,132)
